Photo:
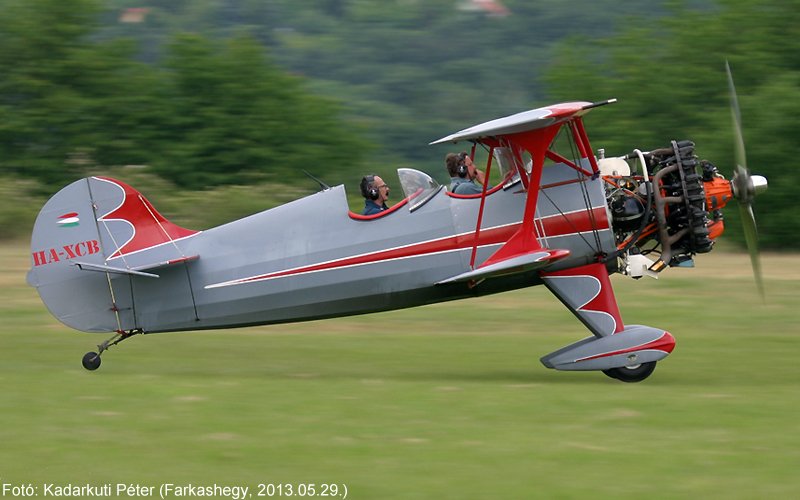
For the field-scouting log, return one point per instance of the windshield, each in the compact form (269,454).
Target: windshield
(418,187)
(507,161)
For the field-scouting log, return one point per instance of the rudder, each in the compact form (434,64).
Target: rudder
(91,225)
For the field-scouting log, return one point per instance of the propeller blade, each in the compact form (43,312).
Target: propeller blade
(744,187)
(736,115)
(751,237)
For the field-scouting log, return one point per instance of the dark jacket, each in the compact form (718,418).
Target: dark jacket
(372,208)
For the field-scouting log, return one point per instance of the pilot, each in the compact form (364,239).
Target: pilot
(375,193)
(463,174)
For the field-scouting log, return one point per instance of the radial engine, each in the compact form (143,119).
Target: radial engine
(668,207)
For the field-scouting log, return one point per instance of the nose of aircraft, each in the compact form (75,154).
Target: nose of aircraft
(759,183)
(746,186)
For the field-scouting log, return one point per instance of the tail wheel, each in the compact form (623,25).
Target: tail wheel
(91,361)
(635,373)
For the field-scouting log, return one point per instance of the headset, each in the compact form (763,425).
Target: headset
(368,190)
(462,169)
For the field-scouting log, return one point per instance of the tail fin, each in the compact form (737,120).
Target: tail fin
(98,224)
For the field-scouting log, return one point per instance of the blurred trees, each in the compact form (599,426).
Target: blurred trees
(45,90)
(214,112)
(670,80)
(212,92)
(405,71)
(233,117)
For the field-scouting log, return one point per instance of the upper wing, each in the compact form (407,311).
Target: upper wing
(525,121)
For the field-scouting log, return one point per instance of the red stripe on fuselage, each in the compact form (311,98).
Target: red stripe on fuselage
(488,237)
(574,222)
(554,225)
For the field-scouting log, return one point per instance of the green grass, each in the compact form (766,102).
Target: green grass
(445,401)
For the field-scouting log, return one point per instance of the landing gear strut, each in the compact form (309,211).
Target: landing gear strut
(91,360)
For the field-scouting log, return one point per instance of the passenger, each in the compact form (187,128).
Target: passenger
(463,174)
(375,193)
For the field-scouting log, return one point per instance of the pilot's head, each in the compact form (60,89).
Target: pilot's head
(373,188)
(458,165)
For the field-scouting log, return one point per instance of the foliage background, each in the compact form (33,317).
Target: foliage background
(210,95)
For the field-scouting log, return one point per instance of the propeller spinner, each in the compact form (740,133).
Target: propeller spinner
(745,186)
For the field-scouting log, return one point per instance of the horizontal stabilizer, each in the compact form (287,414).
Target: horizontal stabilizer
(137,271)
(513,265)
(166,263)
(88,266)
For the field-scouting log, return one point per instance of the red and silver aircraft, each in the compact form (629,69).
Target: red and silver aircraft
(104,260)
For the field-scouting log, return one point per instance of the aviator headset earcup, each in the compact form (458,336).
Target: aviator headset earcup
(462,168)
(367,188)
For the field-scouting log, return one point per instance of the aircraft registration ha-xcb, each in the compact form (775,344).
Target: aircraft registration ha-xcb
(104,260)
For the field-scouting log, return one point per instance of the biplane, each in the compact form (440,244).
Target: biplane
(105,260)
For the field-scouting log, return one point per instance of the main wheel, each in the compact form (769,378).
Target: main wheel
(635,373)
(91,361)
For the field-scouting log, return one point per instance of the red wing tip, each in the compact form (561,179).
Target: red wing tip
(557,254)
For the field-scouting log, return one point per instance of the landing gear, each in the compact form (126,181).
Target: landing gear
(635,373)
(91,360)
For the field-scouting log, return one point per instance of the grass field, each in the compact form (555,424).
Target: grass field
(445,401)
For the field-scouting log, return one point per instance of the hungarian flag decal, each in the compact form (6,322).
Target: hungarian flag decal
(69,220)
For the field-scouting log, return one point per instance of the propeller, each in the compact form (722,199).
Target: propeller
(745,187)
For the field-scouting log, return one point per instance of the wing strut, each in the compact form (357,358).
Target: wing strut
(483,204)
(524,240)
(583,143)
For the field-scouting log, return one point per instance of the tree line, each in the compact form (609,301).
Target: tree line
(670,79)
(212,112)
(243,92)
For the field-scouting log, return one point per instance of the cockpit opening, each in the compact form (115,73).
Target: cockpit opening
(418,188)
